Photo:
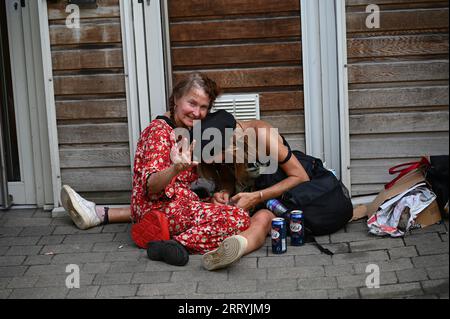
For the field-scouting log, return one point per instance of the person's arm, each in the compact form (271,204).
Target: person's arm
(226,186)
(295,172)
(180,156)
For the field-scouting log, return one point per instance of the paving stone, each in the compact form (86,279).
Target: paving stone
(276,285)
(420,238)
(19,241)
(239,296)
(39,293)
(439,272)
(124,255)
(83,292)
(412,275)
(162,289)
(195,296)
(130,266)
(112,247)
(391,291)
(430,261)
(347,293)
(112,279)
(115,228)
(299,294)
(248,273)
(23,250)
(26,222)
(150,277)
(317,283)
(37,231)
(307,249)
(71,230)
(432,248)
(11,260)
(4,249)
(227,286)
(42,270)
(278,261)
(313,260)
(51,240)
(4,281)
(67,248)
(97,268)
(23,282)
(358,226)
(356,281)
(38,260)
(199,275)
(386,266)
(351,237)
(379,244)
(88,238)
(360,257)
(10,231)
(338,270)
(60,280)
(439,286)
(12,271)
(296,272)
(115,291)
(78,258)
(5,293)
(396,253)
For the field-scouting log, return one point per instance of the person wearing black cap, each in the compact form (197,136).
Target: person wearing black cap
(241,169)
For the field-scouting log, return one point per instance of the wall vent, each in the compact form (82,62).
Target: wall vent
(242,106)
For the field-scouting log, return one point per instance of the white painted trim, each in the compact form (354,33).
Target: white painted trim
(312,83)
(319,46)
(50,100)
(344,115)
(155,59)
(132,93)
(36,98)
(167,47)
(23,192)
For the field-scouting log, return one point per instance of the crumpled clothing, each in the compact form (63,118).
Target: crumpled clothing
(397,216)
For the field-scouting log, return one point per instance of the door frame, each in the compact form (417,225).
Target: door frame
(144,36)
(325,83)
(33,188)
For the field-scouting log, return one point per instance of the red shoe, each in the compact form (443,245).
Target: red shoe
(153,227)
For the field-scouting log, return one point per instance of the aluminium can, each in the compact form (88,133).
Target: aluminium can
(276,207)
(296,226)
(279,236)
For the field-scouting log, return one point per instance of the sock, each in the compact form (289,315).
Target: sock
(100,211)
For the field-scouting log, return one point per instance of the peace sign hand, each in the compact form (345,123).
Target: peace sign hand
(181,155)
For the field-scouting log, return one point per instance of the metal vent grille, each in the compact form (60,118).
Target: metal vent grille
(242,106)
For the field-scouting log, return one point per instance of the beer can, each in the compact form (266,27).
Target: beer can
(279,236)
(296,226)
(276,207)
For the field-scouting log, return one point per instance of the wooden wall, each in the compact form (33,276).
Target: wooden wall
(398,82)
(245,46)
(90,101)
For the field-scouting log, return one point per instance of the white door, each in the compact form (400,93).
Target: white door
(23,189)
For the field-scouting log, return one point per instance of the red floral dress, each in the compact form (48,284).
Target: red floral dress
(197,225)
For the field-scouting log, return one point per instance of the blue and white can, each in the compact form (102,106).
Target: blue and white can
(297,228)
(279,236)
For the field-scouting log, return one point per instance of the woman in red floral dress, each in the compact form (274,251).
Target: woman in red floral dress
(162,183)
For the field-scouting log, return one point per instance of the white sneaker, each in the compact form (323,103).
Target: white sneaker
(81,211)
(228,252)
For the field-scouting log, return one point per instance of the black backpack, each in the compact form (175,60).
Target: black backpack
(324,200)
(437,176)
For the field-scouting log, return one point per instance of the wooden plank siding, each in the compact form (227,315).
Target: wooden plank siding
(398,87)
(246,46)
(91,106)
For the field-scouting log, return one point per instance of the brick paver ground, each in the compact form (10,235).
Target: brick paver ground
(36,249)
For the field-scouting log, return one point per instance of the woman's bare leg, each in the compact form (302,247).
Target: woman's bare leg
(260,226)
(116,215)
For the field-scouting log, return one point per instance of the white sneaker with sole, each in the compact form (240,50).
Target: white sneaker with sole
(228,252)
(81,211)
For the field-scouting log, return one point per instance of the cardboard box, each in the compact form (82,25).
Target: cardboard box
(429,216)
